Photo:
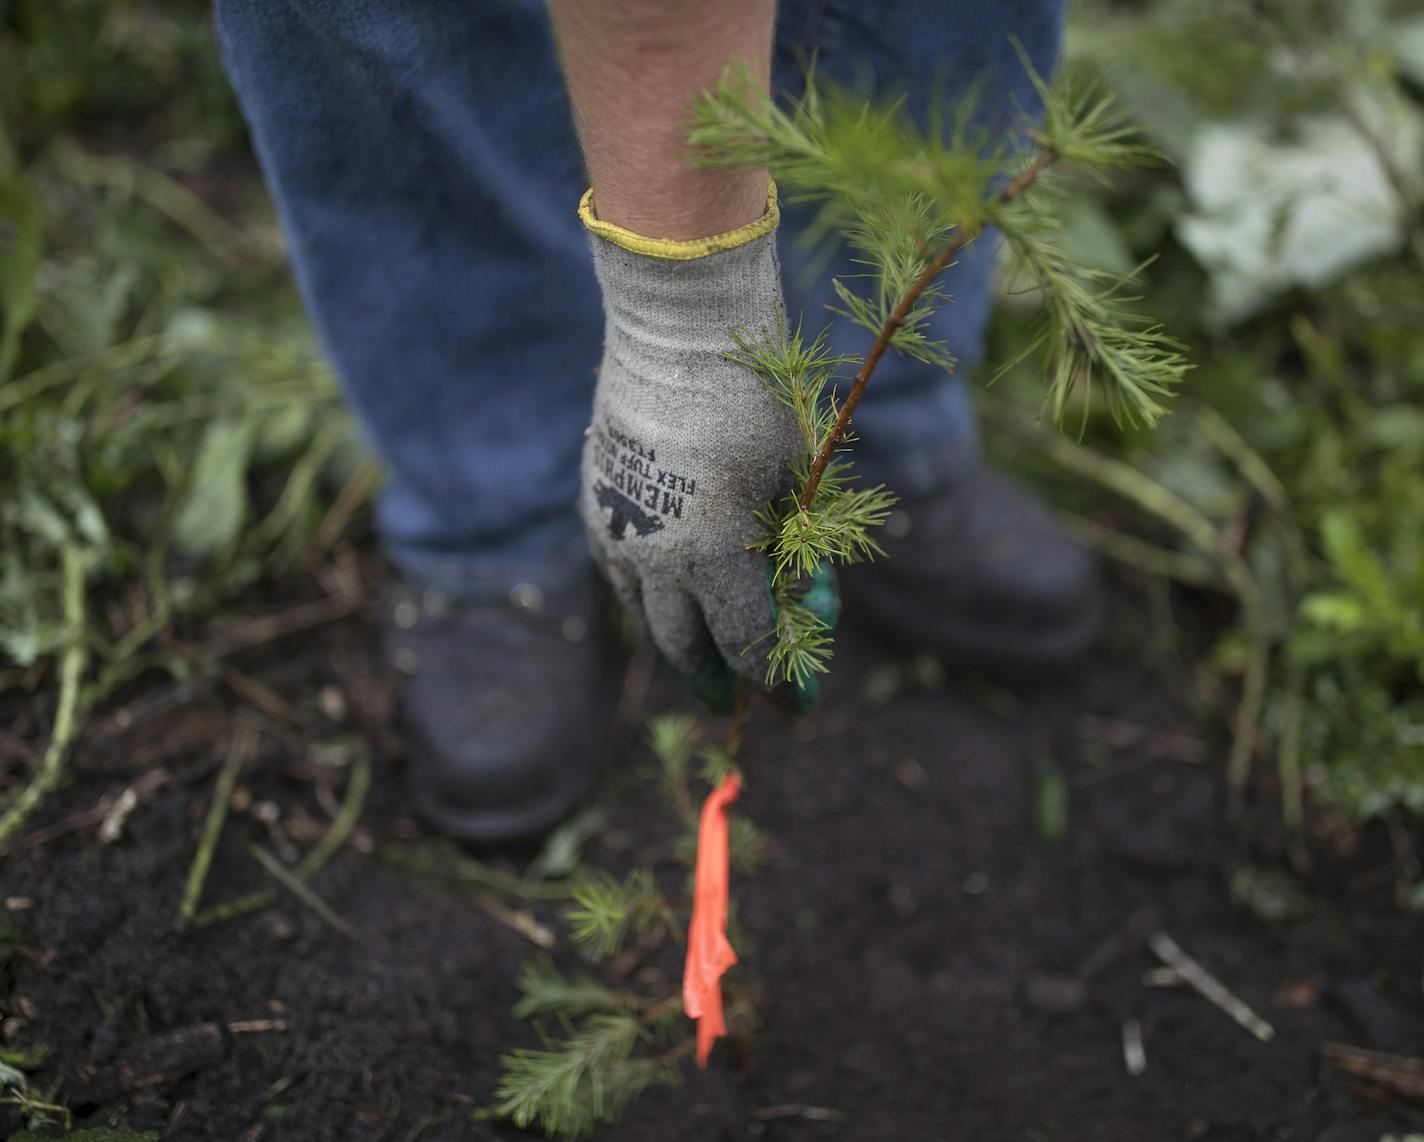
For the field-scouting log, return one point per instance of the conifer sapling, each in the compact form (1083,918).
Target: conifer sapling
(907,200)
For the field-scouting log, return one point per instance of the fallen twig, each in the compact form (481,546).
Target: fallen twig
(441,862)
(1208,986)
(288,880)
(269,628)
(1117,943)
(255,1026)
(313,862)
(244,742)
(30,1105)
(519,919)
(98,813)
(260,696)
(111,828)
(207,661)
(798,1110)
(1134,1057)
(1397,1074)
(363,481)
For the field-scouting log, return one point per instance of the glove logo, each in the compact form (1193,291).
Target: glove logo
(631,488)
(622,511)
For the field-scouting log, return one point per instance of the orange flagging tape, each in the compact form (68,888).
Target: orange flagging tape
(709,954)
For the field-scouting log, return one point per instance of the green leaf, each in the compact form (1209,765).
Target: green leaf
(285,431)
(84,317)
(25,1058)
(13,1079)
(215,504)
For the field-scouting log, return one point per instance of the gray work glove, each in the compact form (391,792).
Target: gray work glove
(685,447)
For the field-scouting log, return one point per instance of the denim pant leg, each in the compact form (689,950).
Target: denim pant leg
(424,164)
(917,428)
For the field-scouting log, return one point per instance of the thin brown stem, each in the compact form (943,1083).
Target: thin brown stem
(1021,182)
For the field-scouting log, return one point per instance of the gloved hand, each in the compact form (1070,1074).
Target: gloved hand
(686,447)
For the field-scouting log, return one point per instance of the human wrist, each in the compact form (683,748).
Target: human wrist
(682,204)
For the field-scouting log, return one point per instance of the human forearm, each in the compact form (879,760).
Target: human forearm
(633,69)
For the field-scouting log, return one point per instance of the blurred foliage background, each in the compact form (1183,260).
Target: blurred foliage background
(168,431)
(169,434)
(1287,249)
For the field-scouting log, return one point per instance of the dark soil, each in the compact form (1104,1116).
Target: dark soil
(931,967)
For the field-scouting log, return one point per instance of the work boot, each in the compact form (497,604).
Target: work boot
(505,704)
(981,575)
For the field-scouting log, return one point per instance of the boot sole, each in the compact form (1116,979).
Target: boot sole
(493,826)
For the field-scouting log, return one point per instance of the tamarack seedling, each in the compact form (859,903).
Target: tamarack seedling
(907,201)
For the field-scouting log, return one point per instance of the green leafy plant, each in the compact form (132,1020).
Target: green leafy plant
(168,433)
(1290,479)
(38,1111)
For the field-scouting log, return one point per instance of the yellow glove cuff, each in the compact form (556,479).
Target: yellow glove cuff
(675,250)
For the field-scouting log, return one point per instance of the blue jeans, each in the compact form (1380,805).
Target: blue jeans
(425,167)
